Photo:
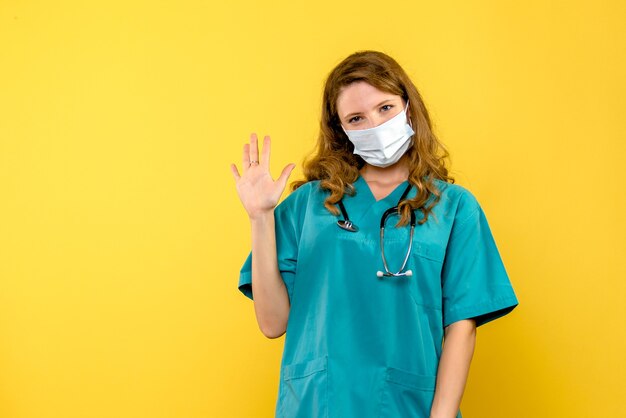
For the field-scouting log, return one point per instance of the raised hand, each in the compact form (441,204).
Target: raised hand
(256,188)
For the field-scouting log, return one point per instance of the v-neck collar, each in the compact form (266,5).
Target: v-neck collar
(391,199)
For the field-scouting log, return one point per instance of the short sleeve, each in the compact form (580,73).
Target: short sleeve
(286,249)
(474,281)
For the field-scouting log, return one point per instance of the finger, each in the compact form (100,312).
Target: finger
(254,148)
(245,160)
(233,169)
(282,179)
(265,156)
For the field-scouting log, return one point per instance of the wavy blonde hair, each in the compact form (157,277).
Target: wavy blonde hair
(335,164)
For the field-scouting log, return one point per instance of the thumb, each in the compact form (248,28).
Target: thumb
(282,179)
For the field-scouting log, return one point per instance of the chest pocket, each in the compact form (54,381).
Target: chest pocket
(425,261)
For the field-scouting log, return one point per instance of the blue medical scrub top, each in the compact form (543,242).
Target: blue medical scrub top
(357,345)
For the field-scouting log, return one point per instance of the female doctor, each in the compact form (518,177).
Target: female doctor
(377,266)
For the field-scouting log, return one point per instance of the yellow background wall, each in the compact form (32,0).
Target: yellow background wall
(121,234)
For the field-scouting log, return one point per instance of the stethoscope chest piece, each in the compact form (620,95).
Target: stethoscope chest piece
(347,225)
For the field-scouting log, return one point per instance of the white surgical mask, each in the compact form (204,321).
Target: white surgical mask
(385,144)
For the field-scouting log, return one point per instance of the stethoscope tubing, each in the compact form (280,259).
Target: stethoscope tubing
(348,225)
(388,273)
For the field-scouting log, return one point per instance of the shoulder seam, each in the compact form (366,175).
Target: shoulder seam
(470,216)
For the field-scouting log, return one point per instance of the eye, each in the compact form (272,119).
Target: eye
(386,107)
(353,118)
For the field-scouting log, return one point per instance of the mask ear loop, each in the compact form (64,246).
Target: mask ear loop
(408,117)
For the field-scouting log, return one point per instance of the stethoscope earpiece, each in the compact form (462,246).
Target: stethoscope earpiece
(407,273)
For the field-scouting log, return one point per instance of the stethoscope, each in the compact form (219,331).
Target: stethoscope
(348,225)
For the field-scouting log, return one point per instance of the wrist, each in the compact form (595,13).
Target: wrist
(261,216)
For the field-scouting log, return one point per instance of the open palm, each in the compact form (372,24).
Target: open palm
(256,188)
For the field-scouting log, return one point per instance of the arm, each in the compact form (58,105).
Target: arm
(271,302)
(454,364)
(259,194)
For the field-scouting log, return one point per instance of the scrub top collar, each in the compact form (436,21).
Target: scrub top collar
(390,200)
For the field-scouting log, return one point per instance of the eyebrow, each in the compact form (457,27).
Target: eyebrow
(356,113)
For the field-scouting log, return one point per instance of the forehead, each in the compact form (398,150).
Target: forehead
(360,96)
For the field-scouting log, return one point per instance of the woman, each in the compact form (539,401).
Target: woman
(366,299)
